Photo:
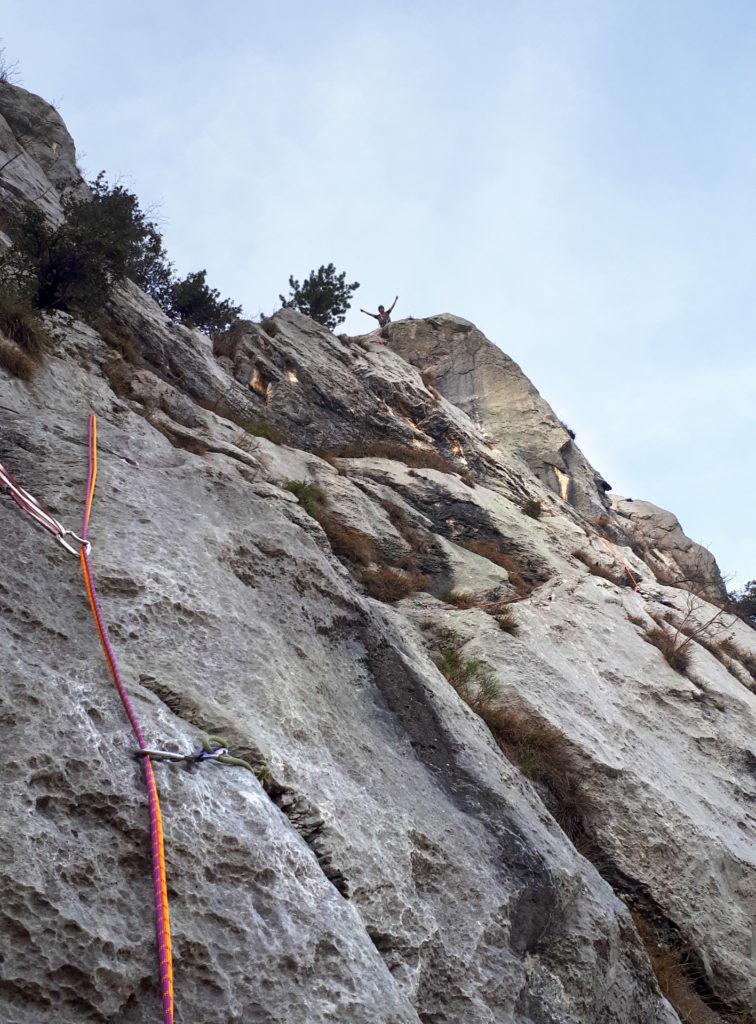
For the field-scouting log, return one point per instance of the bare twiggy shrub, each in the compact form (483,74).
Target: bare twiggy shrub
(676,653)
(8,68)
(675,641)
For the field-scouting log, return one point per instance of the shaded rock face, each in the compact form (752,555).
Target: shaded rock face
(395,866)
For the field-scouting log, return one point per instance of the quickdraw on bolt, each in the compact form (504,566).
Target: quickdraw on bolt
(39,514)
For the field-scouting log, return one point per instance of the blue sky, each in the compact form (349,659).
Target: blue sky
(578,178)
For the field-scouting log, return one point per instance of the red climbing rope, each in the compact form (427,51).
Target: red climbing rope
(162,920)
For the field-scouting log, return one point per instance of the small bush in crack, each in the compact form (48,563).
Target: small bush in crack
(257,428)
(309,496)
(675,651)
(533,508)
(474,682)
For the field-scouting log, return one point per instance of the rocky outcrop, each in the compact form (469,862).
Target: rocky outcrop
(658,536)
(474,374)
(392,863)
(491,388)
(37,155)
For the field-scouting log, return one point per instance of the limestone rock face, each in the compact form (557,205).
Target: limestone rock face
(390,863)
(37,154)
(659,533)
(492,389)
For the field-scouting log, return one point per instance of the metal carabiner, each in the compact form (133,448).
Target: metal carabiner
(60,537)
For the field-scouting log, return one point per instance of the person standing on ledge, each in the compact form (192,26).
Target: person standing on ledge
(383,316)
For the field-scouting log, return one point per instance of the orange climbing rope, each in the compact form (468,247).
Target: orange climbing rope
(39,514)
(160,895)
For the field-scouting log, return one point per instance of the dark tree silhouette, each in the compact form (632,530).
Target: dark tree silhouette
(324,295)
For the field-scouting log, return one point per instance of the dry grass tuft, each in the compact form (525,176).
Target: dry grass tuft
(418,458)
(538,749)
(676,973)
(543,754)
(120,374)
(121,339)
(676,652)
(269,325)
(730,649)
(420,543)
(494,553)
(506,620)
(459,598)
(384,582)
(474,682)
(21,324)
(597,569)
(390,585)
(22,334)
(346,542)
(15,361)
(256,428)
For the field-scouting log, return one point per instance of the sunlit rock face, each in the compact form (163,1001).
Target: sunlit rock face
(396,860)
(491,388)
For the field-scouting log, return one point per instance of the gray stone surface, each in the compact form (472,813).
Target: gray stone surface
(37,155)
(492,389)
(660,535)
(397,867)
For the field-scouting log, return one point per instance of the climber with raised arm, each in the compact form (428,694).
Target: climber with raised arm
(383,316)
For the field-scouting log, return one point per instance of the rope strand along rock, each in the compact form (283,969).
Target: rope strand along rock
(160,895)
